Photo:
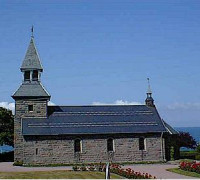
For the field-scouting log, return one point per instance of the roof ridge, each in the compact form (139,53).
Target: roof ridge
(95,105)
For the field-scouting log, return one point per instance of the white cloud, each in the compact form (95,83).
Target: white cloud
(184,106)
(51,103)
(7,105)
(118,102)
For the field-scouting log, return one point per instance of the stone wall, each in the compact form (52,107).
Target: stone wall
(60,149)
(21,110)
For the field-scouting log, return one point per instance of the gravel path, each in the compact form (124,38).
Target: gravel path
(158,170)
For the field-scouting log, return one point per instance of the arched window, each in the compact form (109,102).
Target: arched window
(77,145)
(141,143)
(35,75)
(110,144)
(27,76)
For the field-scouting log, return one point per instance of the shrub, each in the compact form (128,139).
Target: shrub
(91,168)
(18,163)
(172,153)
(75,168)
(197,157)
(198,149)
(114,168)
(129,173)
(83,168)
(7,156)
(190,166)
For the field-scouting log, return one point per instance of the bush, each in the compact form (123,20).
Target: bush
(18,163)
(83,168)
(198,149)
(197,157)
(188,154)
(91,168)
(192,167)
(7,157)
(129,173)
(75,168)
(114,168)
(172,153)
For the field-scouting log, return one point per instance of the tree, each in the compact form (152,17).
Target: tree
(184,139)
(198,149)
(6,127)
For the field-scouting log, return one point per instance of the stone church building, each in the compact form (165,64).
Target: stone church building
(80,134)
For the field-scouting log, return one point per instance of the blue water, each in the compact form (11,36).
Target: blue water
(194,131)
(5,148)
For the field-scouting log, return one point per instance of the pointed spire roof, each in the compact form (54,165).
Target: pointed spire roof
(31,60)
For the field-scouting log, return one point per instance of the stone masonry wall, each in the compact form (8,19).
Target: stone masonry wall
(60,149)
(21,110)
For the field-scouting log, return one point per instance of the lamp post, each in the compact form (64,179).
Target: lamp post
(107,174)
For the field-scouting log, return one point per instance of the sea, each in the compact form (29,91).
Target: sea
(194,132)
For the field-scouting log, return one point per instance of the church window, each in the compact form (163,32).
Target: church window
(110,144)
(30,108)
(35,75)
(27,76)
(77,145)
(142,143)
(36,151)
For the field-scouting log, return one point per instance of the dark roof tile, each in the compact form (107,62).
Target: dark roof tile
(31,89)
(96,120)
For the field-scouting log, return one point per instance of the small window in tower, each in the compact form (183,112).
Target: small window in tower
(35,75)
(110,145)
(36,151)
(27,76)
(30,108)
(77,145)
(142,143)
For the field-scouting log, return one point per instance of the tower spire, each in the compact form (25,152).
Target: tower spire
(149,100)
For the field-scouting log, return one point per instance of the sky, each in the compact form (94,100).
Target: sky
(102,52)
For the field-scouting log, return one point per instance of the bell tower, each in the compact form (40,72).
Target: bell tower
(31,98)
(149,100)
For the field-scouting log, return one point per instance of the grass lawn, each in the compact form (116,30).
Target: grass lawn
(61,174)
(186,173)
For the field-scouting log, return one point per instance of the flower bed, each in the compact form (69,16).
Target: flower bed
(129,173)
(114,168)
(190,166)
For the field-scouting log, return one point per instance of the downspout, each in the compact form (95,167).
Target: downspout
(161,137)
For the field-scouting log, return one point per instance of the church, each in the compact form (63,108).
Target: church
(82,134)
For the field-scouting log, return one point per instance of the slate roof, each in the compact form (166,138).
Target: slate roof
(31,89)
(31,60)
(170,129)
(95,120)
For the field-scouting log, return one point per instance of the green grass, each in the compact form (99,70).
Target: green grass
(61,174)
(186,173)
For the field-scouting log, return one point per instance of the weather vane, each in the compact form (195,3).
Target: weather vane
(32,29)
(149,88)
(148,81)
